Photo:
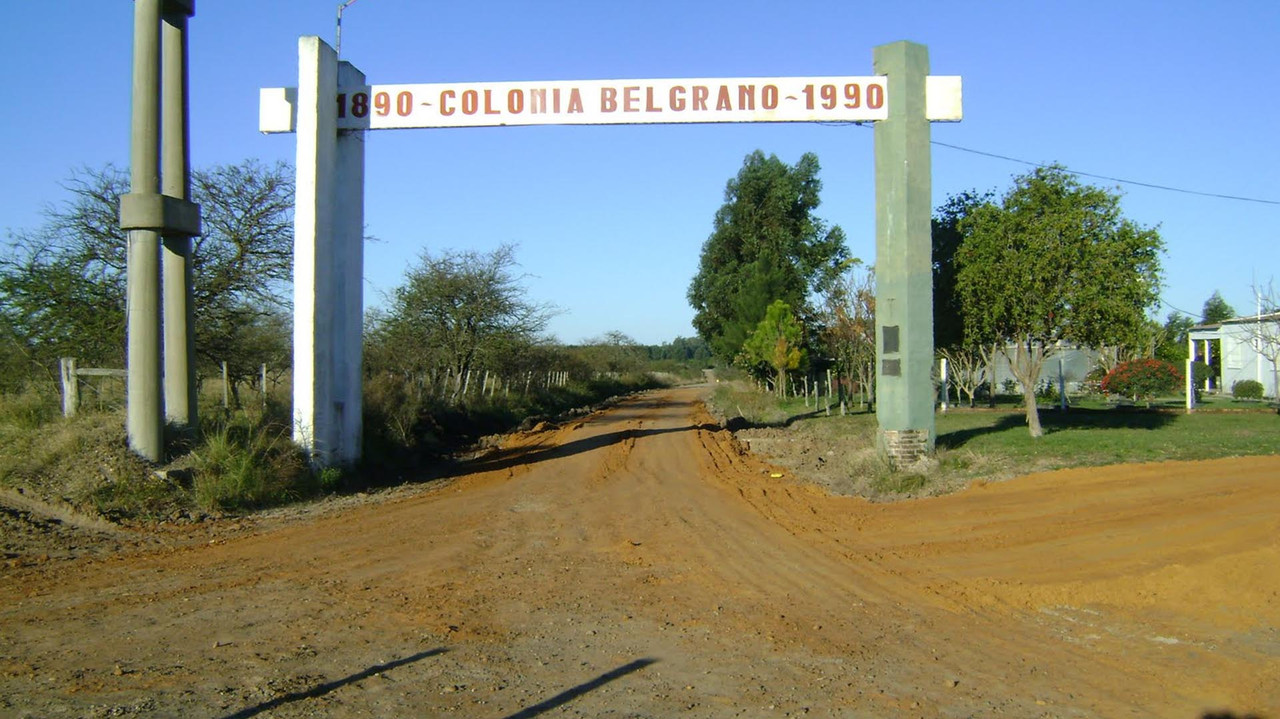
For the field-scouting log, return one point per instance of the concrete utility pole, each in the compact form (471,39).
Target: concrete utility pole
(178,264)
(147,214)
(904,258)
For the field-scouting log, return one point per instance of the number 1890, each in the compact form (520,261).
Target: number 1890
(358,104)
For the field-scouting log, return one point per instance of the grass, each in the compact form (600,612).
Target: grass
(994,444)
(244,459)
(1088,437)
(241,466)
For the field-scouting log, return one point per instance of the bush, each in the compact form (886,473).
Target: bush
(1247,389)
(245,467)
(1201,371)
(1092,383)
(1047,391)
(1142,379)
(30,408)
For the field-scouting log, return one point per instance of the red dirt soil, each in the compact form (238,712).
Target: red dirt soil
(639,564)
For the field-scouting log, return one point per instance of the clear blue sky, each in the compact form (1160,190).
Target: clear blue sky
(610,220)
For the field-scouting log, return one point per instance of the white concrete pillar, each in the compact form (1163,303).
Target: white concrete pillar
(348,337)
(1208,359)
(1191,391)
(322,397)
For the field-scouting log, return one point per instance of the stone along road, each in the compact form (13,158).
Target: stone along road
(637,564)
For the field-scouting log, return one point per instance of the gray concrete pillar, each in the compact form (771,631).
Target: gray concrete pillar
(142,301)
(147,214)
(178,262)
(904,270)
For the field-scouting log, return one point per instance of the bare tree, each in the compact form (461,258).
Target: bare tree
(849,319)
(966,369)
(1265,330)
(62,284)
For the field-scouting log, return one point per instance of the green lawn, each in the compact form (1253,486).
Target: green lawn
(1081,437)
(995,443)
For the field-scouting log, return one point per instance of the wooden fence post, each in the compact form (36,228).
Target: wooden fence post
(226,386)
(70,386)
(828,402)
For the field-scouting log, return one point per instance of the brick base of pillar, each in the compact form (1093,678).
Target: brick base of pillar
(905,447)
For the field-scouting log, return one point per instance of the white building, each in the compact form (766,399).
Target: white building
(1245,343)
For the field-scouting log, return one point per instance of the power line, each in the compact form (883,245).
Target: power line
(1152,185)
(1121,180)
(1192,315)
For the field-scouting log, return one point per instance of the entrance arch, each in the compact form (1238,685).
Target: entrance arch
(333,106)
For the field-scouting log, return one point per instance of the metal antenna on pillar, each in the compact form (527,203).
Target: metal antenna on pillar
(338,39)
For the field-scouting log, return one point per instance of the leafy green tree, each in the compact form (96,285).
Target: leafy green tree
(1171,344)
(777,342)
(1054,261)
(62,286)
(969,363)
(948,323)
(766,245)
(1216,309)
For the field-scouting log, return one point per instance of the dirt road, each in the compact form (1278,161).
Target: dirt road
(637,564)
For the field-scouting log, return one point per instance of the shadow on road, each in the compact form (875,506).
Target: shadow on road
(504,458)
(321,690)
(569,695)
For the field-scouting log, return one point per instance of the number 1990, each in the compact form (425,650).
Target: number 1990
(828,96)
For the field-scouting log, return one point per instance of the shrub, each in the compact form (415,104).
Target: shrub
(1092,383)
(1142,379)
(1202,371)
(1247,389)
(1047,391)
(246,464)
(30,409)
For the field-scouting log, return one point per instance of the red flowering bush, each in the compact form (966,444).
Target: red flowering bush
(1143,379)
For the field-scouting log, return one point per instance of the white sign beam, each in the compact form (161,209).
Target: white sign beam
(609,102)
